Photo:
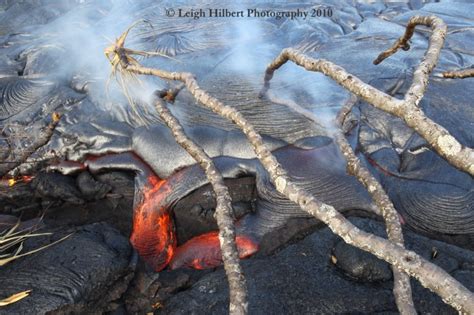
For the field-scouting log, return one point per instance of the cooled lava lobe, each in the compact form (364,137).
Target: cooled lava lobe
(316,165)
(84,273)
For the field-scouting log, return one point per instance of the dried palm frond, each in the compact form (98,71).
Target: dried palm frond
(118,56)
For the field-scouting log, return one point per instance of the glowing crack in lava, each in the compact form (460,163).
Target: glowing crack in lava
(153,233)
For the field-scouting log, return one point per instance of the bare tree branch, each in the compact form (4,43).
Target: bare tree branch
(459,74)
(401,281)
(407,109)
(429,275)
(224,215)
(44,136)
(420,76)
(438,137)
(402,288)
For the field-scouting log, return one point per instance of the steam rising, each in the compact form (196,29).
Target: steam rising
(244,45)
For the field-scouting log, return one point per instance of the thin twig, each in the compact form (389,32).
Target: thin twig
(401,281)
(224,215)
(14,298)
(44,136)
(459,74)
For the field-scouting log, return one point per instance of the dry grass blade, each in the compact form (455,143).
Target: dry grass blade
(14,298)
(11,237)
(8,232)
(12,241)
(16,255)
(19,237)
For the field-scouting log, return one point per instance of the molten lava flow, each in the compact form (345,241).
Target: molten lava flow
(12,181)
(153,233)
(203,252)
(27,178)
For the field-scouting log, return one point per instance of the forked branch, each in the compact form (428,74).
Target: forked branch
(429,275)
(461,157)
(438,137)
(401,281)
(402,288)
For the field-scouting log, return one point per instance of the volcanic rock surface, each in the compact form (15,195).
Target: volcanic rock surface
(51,60)
(83,274)
(303,279)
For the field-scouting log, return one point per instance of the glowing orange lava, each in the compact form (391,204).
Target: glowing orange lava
(12,181)
(204,252)
(153,233)
(27,178)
